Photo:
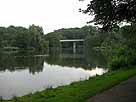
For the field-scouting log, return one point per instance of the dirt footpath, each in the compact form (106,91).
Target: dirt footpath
(124,92)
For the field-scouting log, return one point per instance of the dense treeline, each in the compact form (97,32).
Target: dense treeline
(124,55)
(34,37)
(119,45)
(71,33)
(93,37)
(22,38)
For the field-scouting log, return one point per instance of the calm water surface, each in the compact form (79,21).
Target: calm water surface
(24,74)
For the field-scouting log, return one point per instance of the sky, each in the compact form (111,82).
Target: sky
(50,14)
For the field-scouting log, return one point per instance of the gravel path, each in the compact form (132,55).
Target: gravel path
(124,92)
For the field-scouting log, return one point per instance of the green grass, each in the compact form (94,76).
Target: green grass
(78,91)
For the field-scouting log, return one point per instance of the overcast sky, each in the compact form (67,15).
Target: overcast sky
(50,14)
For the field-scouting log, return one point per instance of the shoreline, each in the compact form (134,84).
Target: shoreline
(78,91)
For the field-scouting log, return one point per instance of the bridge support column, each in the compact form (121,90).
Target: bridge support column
(74,47)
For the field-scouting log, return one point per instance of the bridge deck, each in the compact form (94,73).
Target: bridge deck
(72,40)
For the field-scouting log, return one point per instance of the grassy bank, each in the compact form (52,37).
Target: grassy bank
(79,91)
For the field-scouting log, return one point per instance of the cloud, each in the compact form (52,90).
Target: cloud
(50,14)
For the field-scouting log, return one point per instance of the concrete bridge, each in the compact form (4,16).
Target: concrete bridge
(74,42)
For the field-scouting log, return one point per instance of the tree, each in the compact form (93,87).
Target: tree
(2,30)
(109,13)
(3,37)
(36,33)
(22,39)
(0,42)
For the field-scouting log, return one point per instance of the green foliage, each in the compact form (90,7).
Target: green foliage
(0,43)
(109,13)
(22,38)
(53,39)
(85,32)
(36,36)
(119,60)
(125,54)
(1,99)
(119,45)
(94,39)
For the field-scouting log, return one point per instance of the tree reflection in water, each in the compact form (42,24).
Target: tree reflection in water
(33,63)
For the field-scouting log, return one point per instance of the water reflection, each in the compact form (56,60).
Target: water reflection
(21,82)
(16,62)
(88,59)
(21,74)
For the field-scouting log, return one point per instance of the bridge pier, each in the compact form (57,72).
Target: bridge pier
(74,47)
(74,43)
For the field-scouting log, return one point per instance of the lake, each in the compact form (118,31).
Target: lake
(22,74)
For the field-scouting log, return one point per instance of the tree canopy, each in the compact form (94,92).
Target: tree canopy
(22,38)
(109,13)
